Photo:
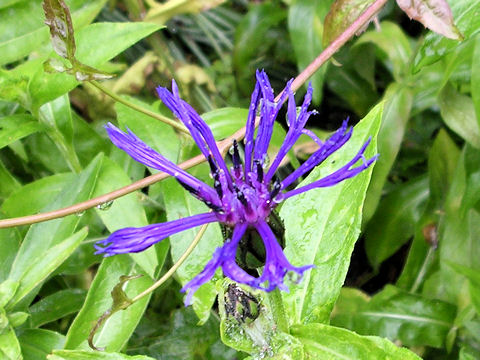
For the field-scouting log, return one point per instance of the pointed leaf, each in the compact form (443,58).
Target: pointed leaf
(324,233)
(328,342)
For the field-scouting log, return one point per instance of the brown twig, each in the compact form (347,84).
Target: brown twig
(223,145)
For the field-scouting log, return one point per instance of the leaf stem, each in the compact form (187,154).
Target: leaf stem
(278,310)
(164,119)
(223,145)
(175,266)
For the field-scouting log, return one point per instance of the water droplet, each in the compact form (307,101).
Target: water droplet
(105,206)
(80,213)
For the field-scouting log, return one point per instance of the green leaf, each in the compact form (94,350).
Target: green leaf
(56,114)
(16,127)
(330,343)
(433,14)
(225,121)
(442,162)
(434,47)
(124,212)
(17,42)
(114,37)
(9,183)
(458,230)
(253,37)
(11,239)
(41,237)
(458,113)
(350,86)
(56,306)
(342,14)
(93,355)
(9,346)
(35,196)
(473,277)
(398,103)
(394,221)
(324,233)
(7,290)
(40,269)
(397,315)
(160,136)
(117,329)
(393,42)
(305,26)
(475,78)
(36,344)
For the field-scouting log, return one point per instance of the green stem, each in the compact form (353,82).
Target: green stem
(66,149)
(164,119)
(278,310)
(175,266)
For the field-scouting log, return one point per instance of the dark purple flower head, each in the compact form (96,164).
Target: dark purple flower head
(243,196)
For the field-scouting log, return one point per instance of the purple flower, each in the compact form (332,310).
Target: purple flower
(243,196)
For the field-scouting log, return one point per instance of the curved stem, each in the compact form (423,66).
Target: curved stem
(175,266)
(164,119)
(223,145)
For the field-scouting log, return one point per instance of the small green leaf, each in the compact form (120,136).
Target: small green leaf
(9,346)
(160,136)
(17,318)
(225,121)
(392,41)
(16,127)
(124,212)
(398,103)
(397,315)
(33,197)
(306,28)
(324,233)
(36,344)
(475,78)
(394,221)
(433,14)
(342,14)
(434,47)
(40,269)
(458,112)
(7,290)
(41,237)
(328,342)
(56,306)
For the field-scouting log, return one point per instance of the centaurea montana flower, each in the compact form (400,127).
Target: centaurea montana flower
(243,196)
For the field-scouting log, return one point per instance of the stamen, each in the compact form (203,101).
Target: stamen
(240,196)
(259,170)
(216,208)
(188,188)
(277,186)
(216,176)
(237,163)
